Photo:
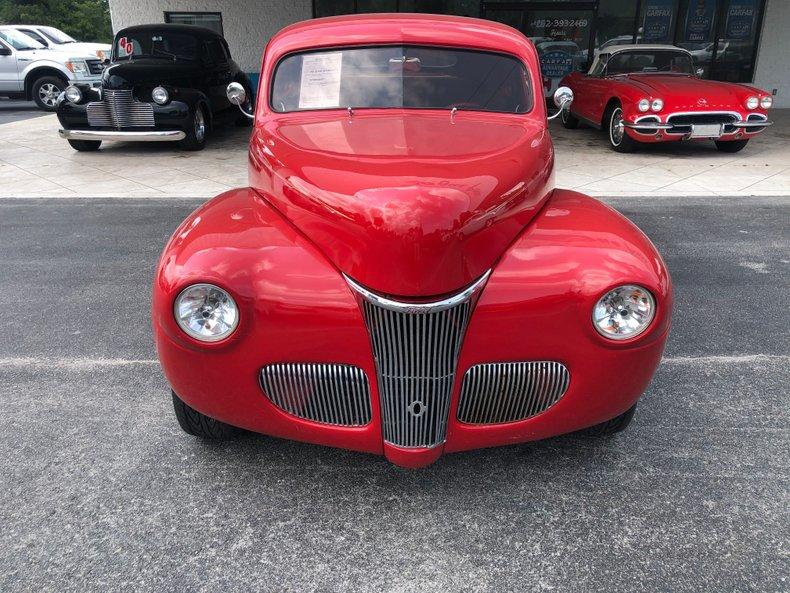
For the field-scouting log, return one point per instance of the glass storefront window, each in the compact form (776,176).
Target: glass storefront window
(734,60)
(614,24)
(657,21)
(698,30)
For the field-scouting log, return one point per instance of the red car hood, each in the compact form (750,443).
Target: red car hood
(411,204)
(679,90)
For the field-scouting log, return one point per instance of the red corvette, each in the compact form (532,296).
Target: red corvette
(650,93)
(401,277)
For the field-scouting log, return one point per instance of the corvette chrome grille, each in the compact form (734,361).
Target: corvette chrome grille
(510,391)
(682,123)
(118,109)
(327,393)
(416,349)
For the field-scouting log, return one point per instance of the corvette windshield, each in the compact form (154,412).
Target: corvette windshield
(155,44)
(401,77)
(646,61)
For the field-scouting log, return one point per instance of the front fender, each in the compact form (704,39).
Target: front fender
(49,64)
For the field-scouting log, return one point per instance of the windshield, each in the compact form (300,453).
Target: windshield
(646,61)
(56,35)
(401,77)
(19,40)
(153,44)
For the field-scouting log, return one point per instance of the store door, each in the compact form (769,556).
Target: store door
(559,30)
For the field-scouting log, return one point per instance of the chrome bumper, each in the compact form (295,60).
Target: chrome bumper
(648,125)
(752,124)
(157,136)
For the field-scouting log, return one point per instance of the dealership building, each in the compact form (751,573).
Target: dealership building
(731,40)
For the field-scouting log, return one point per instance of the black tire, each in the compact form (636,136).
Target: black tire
(731,145)
(619,140)
(615,425)
(569,120)
(193,422)
(45,91)
(242,120)
(85,145)
(198,129)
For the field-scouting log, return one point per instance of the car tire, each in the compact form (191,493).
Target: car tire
(85,145)
(569,120)
(619,140)
(615,425)
(193,422)
(45,92)
(242,120)
(196,134)
(731,145)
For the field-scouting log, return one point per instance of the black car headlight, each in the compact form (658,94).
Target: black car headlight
(160,95)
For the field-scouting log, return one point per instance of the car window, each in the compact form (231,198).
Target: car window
(642,61)
(153,44)
(34,35)
(216,53)
(19,40)
(401,77)
(599,65)
(56,35)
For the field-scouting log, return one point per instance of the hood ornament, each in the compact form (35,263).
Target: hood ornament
(702,101)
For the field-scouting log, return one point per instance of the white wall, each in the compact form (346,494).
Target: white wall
(247,25)
(773,57)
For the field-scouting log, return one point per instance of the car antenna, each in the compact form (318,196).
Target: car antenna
(350,111)
(453,111)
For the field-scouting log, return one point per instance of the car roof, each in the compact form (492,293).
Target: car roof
(642,46)
(403,28)
(171,28)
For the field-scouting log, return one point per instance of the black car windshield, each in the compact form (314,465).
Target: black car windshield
(155,44)
(19,40)
(646,61)
(401,77)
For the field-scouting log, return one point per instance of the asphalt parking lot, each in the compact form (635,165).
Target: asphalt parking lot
(13,110)
(101,491)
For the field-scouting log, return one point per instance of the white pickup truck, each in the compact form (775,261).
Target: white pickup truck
(28,70)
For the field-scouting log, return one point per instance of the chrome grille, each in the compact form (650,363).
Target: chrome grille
(327,393)
(501,392)
(682,123)
(416,349)
(118,109)
(95,66)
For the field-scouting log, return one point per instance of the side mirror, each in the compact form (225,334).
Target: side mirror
(563,97)
(237,95)
(700,72)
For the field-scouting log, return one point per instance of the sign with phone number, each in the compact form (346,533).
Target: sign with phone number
(550,23)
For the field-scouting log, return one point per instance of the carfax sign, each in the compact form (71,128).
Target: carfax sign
(699,22)
(657,26)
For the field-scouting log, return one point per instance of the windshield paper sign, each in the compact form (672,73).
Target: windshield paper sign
(657,25)
(699,21)
(740,19)
(320,86)
(556,64)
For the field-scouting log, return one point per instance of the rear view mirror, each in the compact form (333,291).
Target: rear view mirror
(700,72)
(237,95)
(563,97)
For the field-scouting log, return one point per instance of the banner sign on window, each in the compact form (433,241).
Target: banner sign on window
(657,26)
(699,21)
(740,19)
(556,64)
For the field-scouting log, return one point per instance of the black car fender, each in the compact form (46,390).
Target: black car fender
(194,98)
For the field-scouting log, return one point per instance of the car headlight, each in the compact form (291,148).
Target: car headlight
(73,94)
(766,102)
(657,105)
(160,95)
(624,312)
(206,312)
(643,105)
(77,67)
(752,103)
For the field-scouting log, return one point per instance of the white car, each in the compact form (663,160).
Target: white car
(28,70)
(53,38)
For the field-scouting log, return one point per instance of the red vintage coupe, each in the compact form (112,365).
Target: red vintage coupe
(651,93)
(401,277)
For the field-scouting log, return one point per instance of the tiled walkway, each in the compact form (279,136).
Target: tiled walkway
(34,161)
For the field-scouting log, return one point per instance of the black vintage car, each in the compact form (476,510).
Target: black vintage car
(163,83)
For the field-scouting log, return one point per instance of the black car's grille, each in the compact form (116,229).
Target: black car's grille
(120,110)
(682,123)
(95,66)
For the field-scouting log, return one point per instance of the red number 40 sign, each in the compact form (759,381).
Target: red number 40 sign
(125,46)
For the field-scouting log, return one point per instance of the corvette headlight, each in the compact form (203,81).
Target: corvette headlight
(643,105)
(77,67)
(657,105)
(160,95)
(752,103)
(206,312)
(766,102)
(624,312)
(73,94)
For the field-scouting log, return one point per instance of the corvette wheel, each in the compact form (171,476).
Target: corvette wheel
(615,425)
(732,145)
(196,134)
(569,120)
(619,140)
(46,91)
(199,425)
